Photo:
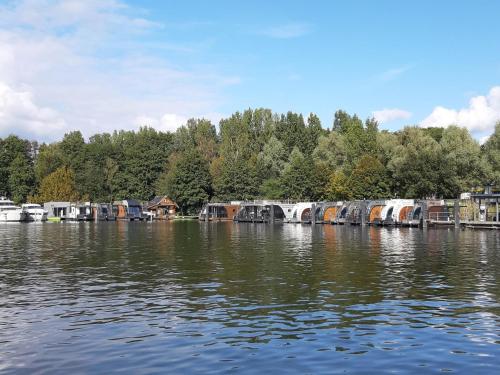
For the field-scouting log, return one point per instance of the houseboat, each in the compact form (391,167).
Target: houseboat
(10,212)
(301,212)
(356,212)
(161,208)
(340,214)
(264,211)
(80,212)
(374,211)
(395,211)
(219,211)
(103,212)
(34,212)
(128,209)
(57,211)
(326,211)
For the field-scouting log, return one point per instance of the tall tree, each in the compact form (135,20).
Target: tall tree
(492,155)
(463,166)
(21,178)
(369,179)
(187,181)
(58,186)
(297,178)
(416,164)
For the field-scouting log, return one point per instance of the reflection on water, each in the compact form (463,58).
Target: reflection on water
(190,297)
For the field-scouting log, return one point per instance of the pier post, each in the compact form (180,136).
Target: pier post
(272,214)
(424,214)
(363,213)
(496,217)
(457,213)
(313,214)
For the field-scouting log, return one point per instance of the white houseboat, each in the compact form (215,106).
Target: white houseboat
(10,212)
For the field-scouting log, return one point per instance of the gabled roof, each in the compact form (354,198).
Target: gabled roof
(156,201)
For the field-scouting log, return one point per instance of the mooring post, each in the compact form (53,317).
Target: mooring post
(272,214)
(496,217)
(313,214)
(457,213)
(424,214)
(363,213)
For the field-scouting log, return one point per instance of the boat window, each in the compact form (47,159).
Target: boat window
(389,213)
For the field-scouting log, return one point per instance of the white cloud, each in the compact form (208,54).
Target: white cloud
(390,114)
(480,116)
(287,31)
(20,114)
(394,73)
(89,63)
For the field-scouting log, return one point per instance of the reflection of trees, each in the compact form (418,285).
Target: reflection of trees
(273,279)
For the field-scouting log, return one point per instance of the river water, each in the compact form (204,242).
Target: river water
(189,297)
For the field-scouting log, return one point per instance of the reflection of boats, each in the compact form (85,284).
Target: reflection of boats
(10,212)
(34,212)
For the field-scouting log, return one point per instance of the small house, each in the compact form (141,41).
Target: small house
(57,210)
(162,208)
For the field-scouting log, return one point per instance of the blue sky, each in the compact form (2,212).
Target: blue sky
(101,65)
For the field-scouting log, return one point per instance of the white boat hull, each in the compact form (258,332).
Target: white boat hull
(12,216)
(38,215)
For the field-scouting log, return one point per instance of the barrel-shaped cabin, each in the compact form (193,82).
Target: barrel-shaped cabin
(341,213)
(355,212)
(435,210)
(326,211)
(219,211)
(301,212)
(374,211)
(395,210)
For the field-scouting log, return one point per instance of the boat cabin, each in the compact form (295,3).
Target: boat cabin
(128,209)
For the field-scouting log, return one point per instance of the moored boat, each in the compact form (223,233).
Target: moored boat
(34,212)
(9,212)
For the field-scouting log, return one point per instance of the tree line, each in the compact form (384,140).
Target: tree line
(253,154)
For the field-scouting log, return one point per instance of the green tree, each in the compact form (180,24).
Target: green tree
(10,148)
(369,179)
(21,178)
(187,181)
(58,186)
(463,166)
(416,165)
(297,178)
(338,187)
(492,154)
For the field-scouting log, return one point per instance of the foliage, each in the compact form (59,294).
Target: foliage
(58,186)
(297,178)
(253,154)
(187,181)
(368,180)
